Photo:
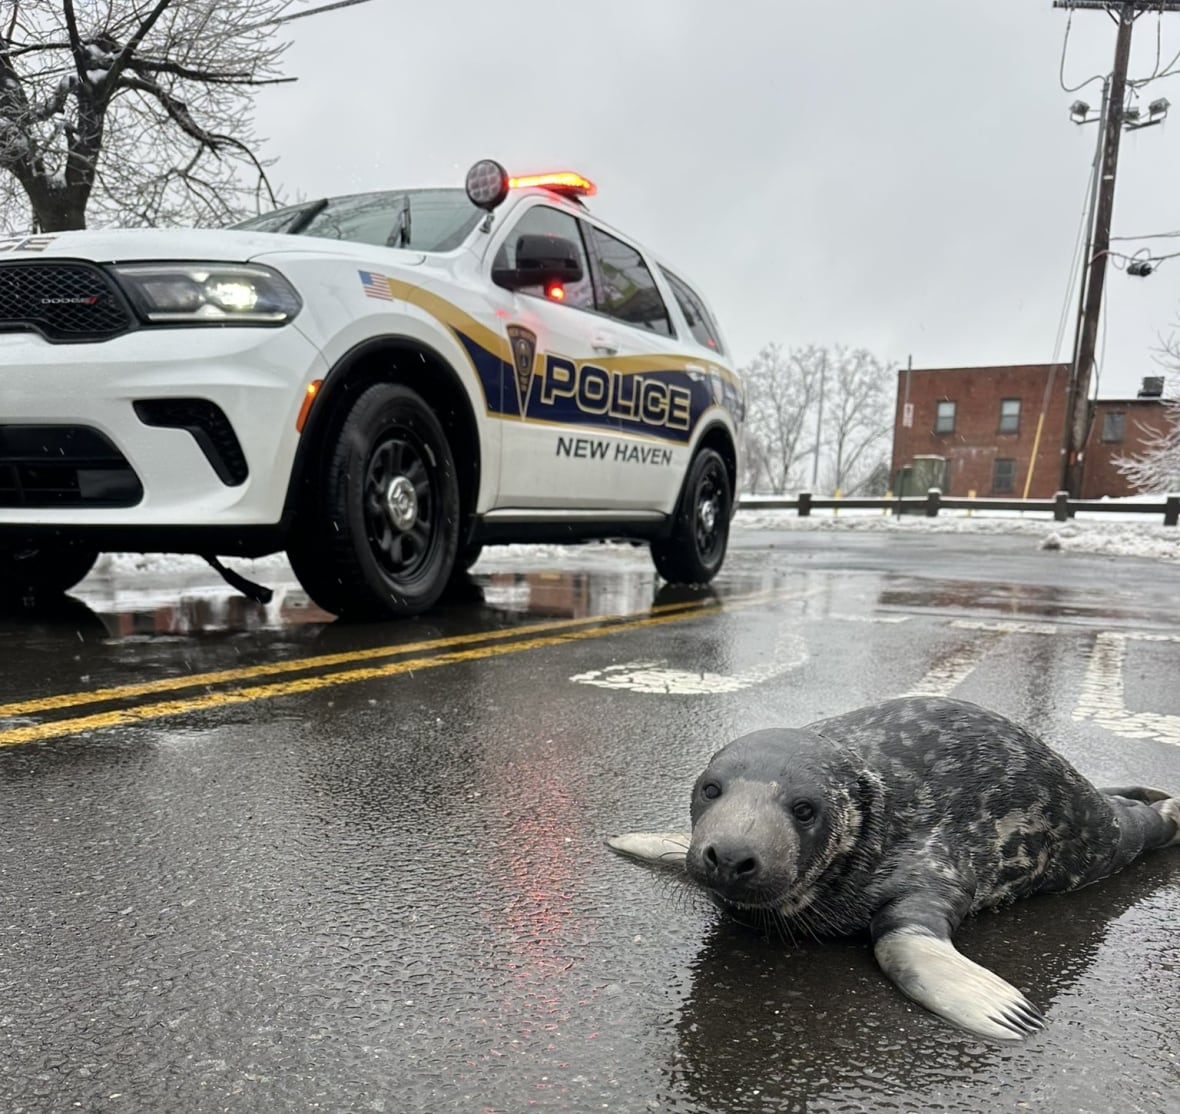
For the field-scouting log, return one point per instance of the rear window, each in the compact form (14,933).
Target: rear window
(700,323)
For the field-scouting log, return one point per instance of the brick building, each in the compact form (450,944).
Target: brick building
(975,430)
(1120,428)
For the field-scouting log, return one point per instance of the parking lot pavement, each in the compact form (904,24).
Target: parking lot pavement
(254,860)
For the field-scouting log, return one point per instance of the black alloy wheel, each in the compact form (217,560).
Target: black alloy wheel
(378,534)
(695,550)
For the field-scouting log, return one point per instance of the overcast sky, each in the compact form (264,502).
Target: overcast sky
(902,175)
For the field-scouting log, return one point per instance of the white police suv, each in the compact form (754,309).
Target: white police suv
(379,384)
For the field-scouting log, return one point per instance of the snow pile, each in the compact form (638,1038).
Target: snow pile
(1115,535)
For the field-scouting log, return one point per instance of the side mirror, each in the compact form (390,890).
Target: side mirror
(541,260)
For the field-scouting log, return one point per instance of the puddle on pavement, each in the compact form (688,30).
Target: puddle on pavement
(106,612)
(1013,601)
(117,610)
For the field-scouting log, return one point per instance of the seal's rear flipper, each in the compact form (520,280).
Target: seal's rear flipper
(1163,803)
(934,974)
(1170,810)
(662,849)
(1142,793)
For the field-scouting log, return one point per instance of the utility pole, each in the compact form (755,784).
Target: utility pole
(1125,12)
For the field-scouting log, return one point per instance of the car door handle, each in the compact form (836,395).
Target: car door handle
(604,344)
(695,372)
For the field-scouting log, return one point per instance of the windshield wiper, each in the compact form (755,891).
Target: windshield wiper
(307,216)
(400,236)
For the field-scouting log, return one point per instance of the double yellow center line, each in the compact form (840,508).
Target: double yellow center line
(225,687)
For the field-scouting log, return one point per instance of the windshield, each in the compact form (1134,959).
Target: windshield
(422,220)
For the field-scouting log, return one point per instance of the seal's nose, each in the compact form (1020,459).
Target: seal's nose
(731,861)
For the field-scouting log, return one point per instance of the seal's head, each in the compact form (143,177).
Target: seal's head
(770,814)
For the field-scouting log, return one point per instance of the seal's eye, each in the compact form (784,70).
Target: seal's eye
(711,790)
(804,811)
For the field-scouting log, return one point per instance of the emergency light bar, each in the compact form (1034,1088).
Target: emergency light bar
(560,181)
(488,184)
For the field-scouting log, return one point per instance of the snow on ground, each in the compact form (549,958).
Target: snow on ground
(1109,533)
(1114,534)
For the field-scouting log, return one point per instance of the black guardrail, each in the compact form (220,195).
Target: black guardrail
(1061,506)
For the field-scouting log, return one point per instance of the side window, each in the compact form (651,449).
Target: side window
(945,421)
(1010,415)
(700,324)
(544,221)
(628,290)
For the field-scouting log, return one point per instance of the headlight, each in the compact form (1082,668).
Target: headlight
(208,293)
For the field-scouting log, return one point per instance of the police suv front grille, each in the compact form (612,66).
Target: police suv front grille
(67,301)
(63,466)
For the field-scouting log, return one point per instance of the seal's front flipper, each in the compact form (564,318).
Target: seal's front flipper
(662,849)
(930,970)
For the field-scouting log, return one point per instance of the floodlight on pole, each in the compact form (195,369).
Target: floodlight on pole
(1078,111)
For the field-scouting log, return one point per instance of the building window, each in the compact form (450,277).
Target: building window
(1113,425)
(1010,415)
(1003,476)
(945,422)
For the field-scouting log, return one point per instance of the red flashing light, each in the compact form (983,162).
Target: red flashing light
(555,291)
(561,181)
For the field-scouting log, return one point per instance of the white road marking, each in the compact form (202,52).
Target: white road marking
(661,678)
(1007,626)
(948,674)
(844,618)
(1103,696)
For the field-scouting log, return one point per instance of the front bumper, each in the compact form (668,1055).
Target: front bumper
(255,377)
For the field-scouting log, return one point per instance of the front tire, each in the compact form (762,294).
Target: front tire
(378,535)
(693,553)
(38,571)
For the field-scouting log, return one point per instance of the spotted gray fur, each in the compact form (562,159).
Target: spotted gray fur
(925,810)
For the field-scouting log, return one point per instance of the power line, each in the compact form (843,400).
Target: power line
(302,15)
(1061,69)
(1149,236)
(321,8)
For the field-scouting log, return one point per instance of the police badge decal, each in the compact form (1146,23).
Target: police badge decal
(524,354)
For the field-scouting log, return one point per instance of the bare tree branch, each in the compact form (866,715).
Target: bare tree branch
(136,111)
(145,65)
(72,27)
(782,415)
(1155,470)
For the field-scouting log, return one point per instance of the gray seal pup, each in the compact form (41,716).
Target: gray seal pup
(902,818)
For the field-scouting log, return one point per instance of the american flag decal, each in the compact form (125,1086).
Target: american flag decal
(26,243)
(376,286)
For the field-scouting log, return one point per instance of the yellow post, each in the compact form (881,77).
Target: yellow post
(888,495)
(970,495)
(838,495)
(1033,459)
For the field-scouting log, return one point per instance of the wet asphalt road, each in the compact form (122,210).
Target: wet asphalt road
(233,877)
